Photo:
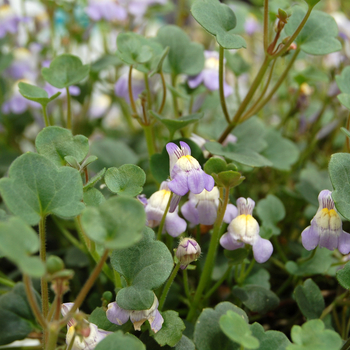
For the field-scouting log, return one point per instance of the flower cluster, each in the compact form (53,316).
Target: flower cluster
(245,229)
(326,227)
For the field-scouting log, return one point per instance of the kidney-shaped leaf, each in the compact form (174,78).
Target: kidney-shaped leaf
(37,187)
(56,143)
(145,266)
(219,20)
(36,94)
(117,223)
(65,70)
(123,341)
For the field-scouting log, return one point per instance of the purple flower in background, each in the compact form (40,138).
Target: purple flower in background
(251,25)
(187,251)
(155,209)
(108,10)
(81,342)
(51,90)
(326,228)
(117,315)
(138,8)
(245,229)
(121,88)
(186,173)
(209,76)
(8,21)
(202,208)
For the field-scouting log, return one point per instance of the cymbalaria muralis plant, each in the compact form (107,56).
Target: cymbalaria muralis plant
(175,174)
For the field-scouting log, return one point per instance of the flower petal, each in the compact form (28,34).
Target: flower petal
(262,250)
(310,238)
(175,200)
(190,212)
(195,80)
(344,243)
(185,148)
(207,212)
(329,241)
(116,314)
(174,154)
(179,184)
(196,181)
(174,225)
(230,213)
(157,323)
(229,243)
(209,182)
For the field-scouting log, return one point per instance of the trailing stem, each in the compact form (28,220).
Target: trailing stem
(167,286)
(162,222)
(221,84)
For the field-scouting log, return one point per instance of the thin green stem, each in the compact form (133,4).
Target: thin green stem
(149,97)
(303,260)
(330,307)
(7,282)
(32,301)
(160,110)
(249,269)
(247,98)
(221,84)
(44,287)
(69,110)
(167,286)
(186,285)
(149,139)
(284,285)
(162,222)
(131,96)
(175,105)
(86,288)
(209,261)
(266,24)
(52,309)
(218,283)
(295,34)
(279,249)
(346,346)
(46,119)
(52,336)
(258,107)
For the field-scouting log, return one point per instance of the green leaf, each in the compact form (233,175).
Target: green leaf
(215,165)
(159,66)
(312,3)
(184,57)
(219,20)
(36,94)
(93,197)
(228,179)
(309,299)
(345,131)
(319,35)
(312,335)
(339,167)
(17,242)
(208,334)
(343,80)
(319,264)
(258,276)
(236,63)
(105,62)
(128,180)
(159,162)
(94,180)
(145,266)
(111,153)
(270,340)
(56,143)
(116,224)
(64,71)
(99,318)
(256,298)
(16,317)
(344,99)
(171,331)
(343,276)
(36,188)
(282,152)
(125,342)
(176,124)
(236,256)
(238,154)
(271,210)
(237,329)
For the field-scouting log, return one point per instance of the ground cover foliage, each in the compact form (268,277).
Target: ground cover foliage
(175,174)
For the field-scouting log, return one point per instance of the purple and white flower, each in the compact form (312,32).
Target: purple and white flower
(187,252)
(94,334)
(186,173)
(8,21)
(326,228)
(121,86)
(117,315)
(155,208)
(108,10)
(202,208)
(209,76)
(244,229)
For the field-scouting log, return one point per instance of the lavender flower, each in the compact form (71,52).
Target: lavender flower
(117,315)
(90,335)
(8,21)
(155,209)
(202,208)
(187,251)
(326,227)
(108,10)
(245,229)
(121,86)
(209,76)
(186,173)
(251,25)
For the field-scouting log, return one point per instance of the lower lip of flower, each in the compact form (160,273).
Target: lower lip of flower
(328,220)
(187,163)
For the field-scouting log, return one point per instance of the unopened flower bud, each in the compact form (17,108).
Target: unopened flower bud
(54,264)
(187,251)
